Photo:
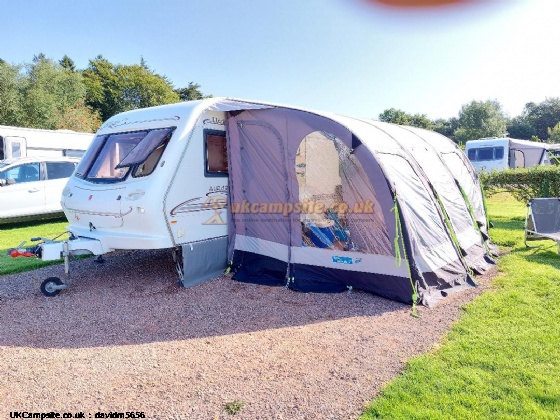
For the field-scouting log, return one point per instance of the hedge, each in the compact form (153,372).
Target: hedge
(524,183)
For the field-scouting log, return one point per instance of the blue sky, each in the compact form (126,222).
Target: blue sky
(352,57)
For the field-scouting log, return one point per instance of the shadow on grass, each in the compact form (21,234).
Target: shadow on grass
(32,223)
(508,224)
(543,252)
(542,255)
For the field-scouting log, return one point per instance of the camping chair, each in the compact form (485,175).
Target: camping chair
(318,234)
(543,220)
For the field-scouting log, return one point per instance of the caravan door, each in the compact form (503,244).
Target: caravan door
(517,159)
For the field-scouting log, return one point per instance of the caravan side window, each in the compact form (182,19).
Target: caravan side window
(215,153)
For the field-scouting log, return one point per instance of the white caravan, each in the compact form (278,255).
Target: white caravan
(114,202)
(496,154)
(18,142)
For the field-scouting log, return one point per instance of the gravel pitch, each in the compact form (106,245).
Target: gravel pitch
(126,338)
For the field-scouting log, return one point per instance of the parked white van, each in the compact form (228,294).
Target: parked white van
(31,187)
(496,154)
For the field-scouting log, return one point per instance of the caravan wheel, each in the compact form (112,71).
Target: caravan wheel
(49,287)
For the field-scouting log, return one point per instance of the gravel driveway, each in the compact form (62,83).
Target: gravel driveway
(126,338)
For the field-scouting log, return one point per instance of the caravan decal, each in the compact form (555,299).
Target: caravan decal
(125,121)
(214,200)
(214,120)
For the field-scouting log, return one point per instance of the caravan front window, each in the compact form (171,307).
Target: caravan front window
(486,153)
(112,157)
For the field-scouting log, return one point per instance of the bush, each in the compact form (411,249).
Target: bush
(524,183)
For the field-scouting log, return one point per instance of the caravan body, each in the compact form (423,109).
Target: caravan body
(22,142)
(496,154)
(171,196)
(171,193)
(311,200)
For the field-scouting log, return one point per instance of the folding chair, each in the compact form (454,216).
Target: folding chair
(543,220)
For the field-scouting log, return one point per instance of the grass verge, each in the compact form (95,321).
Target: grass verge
(14,234)
(502,358)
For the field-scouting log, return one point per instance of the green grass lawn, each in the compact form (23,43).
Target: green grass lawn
(14,234)
(502,358)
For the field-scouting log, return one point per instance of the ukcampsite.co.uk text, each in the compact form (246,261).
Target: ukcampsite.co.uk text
(306,207)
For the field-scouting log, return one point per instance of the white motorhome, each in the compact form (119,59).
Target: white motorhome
(496,154)
(18,142)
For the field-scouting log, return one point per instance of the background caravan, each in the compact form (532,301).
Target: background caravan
(18,142)
(314,201)
(496,154)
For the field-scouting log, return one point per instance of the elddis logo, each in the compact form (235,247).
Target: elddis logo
(214,120)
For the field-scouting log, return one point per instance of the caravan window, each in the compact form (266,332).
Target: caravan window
(486,153)
(215,148)
(16,149)
(338,202)
(112,157)
(90,156)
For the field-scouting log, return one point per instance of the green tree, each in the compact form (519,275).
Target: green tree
(480,119)
(446,127)
(101,87)
(11,112)
(542,116)
(48,92)
(554,134)
(116,88)
(394,116)
(67,63)
(43,94)
(421,120)
(79,117)
(519,128)
(398,116)
(190,93)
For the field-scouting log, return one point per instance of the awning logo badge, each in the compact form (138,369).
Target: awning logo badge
(345,260)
